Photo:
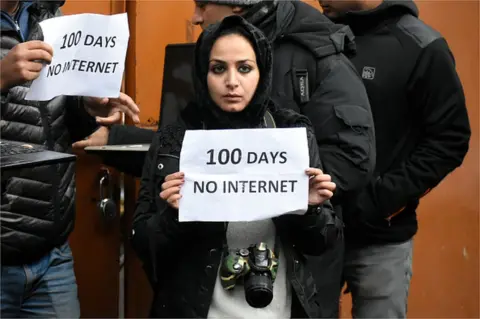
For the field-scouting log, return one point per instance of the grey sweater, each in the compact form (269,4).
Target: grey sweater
(232,304)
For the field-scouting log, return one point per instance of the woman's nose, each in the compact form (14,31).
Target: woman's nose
(231,81)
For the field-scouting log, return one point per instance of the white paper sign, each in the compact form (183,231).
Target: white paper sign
(243,175)
(88,56)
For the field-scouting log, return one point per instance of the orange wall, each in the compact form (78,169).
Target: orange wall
(446,271)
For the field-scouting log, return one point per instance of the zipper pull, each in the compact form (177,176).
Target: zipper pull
(17,27)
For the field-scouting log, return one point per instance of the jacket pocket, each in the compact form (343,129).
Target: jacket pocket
(358,134)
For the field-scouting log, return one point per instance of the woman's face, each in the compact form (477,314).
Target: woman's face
(233,73)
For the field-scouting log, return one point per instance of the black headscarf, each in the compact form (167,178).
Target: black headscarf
(212,115)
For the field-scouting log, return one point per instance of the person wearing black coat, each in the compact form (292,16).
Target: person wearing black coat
(182,259)
(37,204)
(423,134)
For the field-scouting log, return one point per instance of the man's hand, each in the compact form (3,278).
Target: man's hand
(97,138)
(23,63)
(107,110)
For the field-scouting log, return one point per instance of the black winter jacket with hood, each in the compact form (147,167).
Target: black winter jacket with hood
(37,204)
(338,105)
(182,259)
(421,120)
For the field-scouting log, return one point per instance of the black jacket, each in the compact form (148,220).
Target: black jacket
(182,259)
(338,108)
(33,199)
(421,121)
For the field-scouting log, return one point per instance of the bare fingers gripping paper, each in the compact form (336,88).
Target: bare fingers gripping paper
(89,53)
(243,175)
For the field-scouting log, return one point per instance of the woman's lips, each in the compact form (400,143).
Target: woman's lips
(232,98)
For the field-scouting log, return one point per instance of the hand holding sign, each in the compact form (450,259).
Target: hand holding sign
(23,63)
(171,188)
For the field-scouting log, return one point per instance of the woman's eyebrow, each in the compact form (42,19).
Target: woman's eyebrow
(246,60)
(238,61)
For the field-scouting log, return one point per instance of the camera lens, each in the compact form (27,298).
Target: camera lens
(258,290)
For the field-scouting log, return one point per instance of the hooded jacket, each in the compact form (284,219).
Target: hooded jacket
(420,115)
(182,259)
(334,97)
(37,204)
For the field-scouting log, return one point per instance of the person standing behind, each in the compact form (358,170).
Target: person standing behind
(38,204)
(422,135)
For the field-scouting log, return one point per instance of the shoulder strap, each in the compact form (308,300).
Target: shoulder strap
(269,120)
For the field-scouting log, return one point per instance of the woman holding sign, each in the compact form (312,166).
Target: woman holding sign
(197,269)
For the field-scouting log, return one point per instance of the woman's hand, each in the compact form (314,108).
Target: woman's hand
(171,188)
(321,186)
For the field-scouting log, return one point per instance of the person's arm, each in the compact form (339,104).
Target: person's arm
(339,110)
(154,227)
(129,162)
(437,94)
(129,134)
(156,231)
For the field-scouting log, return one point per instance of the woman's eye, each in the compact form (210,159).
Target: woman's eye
(217,69)
(245,68)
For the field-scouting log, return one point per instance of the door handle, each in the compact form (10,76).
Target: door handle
(106,205)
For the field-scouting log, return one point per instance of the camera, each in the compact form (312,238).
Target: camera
(257,266)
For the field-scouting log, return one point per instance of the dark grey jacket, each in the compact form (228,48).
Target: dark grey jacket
(37,205)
